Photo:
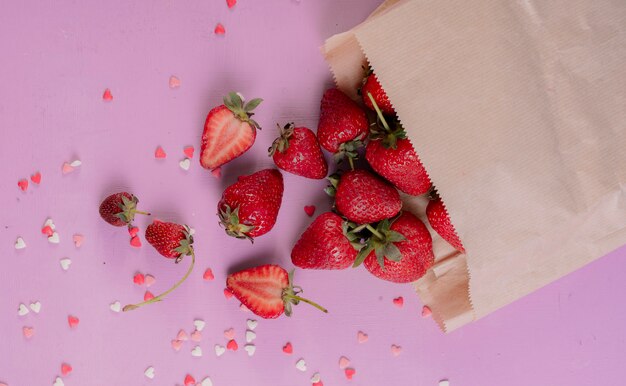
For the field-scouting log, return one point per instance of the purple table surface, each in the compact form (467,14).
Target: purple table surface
(58,58)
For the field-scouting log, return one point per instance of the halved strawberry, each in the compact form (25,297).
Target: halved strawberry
(267,290)
(229,131)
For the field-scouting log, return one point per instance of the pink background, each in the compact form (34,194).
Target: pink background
(57,59)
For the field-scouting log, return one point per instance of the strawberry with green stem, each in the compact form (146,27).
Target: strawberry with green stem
(439,220)
(297,151)
(119,209)
(172,241)
(372,86)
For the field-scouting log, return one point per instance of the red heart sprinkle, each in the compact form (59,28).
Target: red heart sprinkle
(189,380)
(309,210)
(28,332)
(426,312)
(399,301)
(227,293)
(72,321)
(208,275)
(139,278)
(132,231)
(147,296)
(66,369)
(188,151)
(159,153)
(47,230)
(23,184)
(288,348)
(135,241)
(36,178)
(219,29)
(349,372)
(318,384)
(231,3)
(107,96)
(232,345)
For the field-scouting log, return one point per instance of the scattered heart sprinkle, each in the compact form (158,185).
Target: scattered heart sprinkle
(49,222)
(188,150)
(316,378)
(67,168)
(147,296)
(23,184)
(115,306)
(159,152)
(309,210)
(243,308)
(28,332)
(132,231)
(206,382)
(229,334)
(58,382)
(288,348)
(250,336)
(344,362)
(361,337)
(135,241)
(196,352)
(20,243)
(47,230)
(107,96)
(182,335)
(66,369)
(398,302)
(139,278)
(231,3)
(444,382)
(150,280)
(426,312)
(199,324)
(177,344)
(65,263)
(349,373)
(189,380)
(232,345)
(36,307)
(185,164)
(54,238)
(149,373)
(217,172)
(250,349)
(219,29)
(78,240)
(208,275)
(76,163)
(72,321)
(301,365)
(219,350)
(252,324)
(227,293)
(22,309)
(36,178)
(174,82)
(196,336)
(396,350)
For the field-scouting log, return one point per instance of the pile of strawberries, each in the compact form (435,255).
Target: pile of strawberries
(367,224)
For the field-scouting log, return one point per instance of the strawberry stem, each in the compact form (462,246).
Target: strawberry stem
(142,212)
(131,307)
(298,298)
(351,162)
(378,112)
(375,232)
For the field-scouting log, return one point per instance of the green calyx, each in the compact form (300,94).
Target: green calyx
(281,144)
(185,247)
(381,130)
(349,150)
(290,296)
(242,111)
(382,242)
(351,231)
(128,209)
(229,219)
(331,189)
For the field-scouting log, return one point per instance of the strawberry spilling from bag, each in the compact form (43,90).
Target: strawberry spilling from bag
(119,209)
(267,290)
(440,221)
(229,131)
(372,86)
(296,151)
(400,250)
(173,241)
(326,244)
(249,207)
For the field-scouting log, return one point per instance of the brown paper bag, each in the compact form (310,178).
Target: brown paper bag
(518,112)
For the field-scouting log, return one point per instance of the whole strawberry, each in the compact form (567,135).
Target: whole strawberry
(229,131)
(297,151)
(365,198)
(172,241)
(401,252)
(267,290)
(440,221)
(326,244)
(372,86)
(119,209)
(393,157)
(342,125)
(249,207)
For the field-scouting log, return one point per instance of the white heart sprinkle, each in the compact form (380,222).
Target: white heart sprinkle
(199,324)
(219,350)
(444,382)
(192,231)
(184,164)
(316,378)
(58,382)
(22,310)
(49,223)
(252,324)
(206,382)
(36,307)
(54,239)
(149,372)
(196,352)
(75,163)
(20,243)
(250,336)
(65,263)
(301,365)
(115,306)
(250,349)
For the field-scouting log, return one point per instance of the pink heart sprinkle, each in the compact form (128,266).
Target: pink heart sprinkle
(208,274)
(227,293)
(229,334)
(344,363)
(139,278)
(159,153)
(23,184)
(132,231)
(396,350)
(182,335)
(349,373)
(217,172)
(174,82)
(288,348)
(107,96)
(188,151)
(309,210)
(362,337)
(150,280)
(28,332)
(147,296)
(232,345)
(196,336)
(231,3)
(72,321)
(426,312)
(177,344)
(244,308)
(66,369)
(47,230)
(189,380)
(399,301)
(67,168)
(219,29)
(135,241)
(36,178)
(78,240)
(317,384)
